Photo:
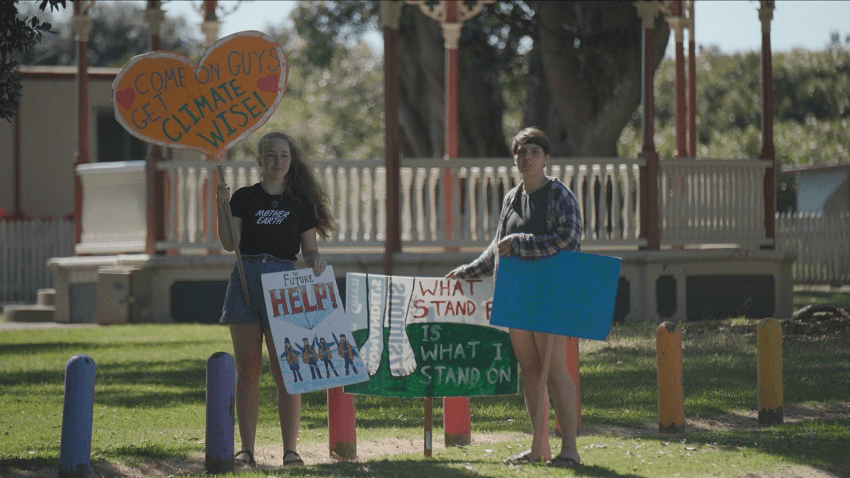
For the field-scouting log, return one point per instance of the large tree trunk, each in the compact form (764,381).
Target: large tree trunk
(586,73)
(422,91)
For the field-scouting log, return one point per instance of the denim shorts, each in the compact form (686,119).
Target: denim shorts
(234,311)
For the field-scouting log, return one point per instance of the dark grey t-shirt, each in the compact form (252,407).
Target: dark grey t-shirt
(527,215)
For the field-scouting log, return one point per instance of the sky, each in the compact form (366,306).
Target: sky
(731,25)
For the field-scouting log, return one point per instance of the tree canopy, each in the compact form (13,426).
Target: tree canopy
(521,63)
(19,35)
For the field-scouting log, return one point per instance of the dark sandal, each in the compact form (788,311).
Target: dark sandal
(520,458)
(245,457)
(564,462)
(292,458)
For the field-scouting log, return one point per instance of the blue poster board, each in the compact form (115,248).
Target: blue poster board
(570,293)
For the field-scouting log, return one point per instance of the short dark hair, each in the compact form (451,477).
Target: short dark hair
(533,135)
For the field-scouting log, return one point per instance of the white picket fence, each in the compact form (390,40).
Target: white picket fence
(25,247)
(822,242)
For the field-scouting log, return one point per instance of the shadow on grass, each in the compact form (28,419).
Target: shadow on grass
(444,468)
(820,445)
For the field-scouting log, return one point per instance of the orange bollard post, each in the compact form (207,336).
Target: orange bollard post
(456,421)
(671,395)
(342,425)
(770,372)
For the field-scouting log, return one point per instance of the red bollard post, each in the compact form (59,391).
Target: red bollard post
(342,425)
(456,421)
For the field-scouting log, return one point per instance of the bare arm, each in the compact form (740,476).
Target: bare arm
(310,251)
(224,234)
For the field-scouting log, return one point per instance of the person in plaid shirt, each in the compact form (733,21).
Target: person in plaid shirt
(540,217)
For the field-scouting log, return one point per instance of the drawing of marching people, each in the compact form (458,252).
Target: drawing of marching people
(347,352)
(291,357)
(310,357)
(327,357)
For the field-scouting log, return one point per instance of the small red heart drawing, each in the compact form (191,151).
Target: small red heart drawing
(126,97)
(268,83)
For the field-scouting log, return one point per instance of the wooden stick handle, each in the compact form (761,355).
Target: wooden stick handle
(228,218)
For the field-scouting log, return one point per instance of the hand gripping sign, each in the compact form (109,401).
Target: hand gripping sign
(164,98)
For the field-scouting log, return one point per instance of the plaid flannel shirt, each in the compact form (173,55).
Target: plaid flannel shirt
(563,232)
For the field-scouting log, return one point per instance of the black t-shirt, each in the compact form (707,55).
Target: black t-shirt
(271,224)
(528,213)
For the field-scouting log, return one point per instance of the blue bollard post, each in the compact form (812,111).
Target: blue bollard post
(221,400)
(75,447)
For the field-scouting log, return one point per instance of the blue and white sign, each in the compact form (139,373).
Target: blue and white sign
(311,331)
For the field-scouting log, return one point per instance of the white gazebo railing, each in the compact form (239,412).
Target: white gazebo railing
(712,202)
(114,202)
(606,189)
(701,202)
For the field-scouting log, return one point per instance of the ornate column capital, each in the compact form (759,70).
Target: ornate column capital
(451,30)
(154,17)
(210,29)
(391,13)
(82,25)
(647,11)
(451,35)
(766,14)
(678,24)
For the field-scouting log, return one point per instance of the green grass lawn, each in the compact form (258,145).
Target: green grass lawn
(150,399)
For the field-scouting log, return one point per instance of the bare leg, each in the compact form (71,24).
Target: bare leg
(562,391)
(288,406)
(248,351)
(531,366)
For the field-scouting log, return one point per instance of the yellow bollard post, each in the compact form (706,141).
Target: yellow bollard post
(770,372)
(671,395)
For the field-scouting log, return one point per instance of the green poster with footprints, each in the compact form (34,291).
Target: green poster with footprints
(428,337)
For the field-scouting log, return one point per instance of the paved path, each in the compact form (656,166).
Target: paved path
(39,325)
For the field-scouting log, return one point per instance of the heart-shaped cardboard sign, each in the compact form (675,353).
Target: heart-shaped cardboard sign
(165,98)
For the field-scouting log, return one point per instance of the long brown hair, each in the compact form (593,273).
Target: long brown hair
(300,180)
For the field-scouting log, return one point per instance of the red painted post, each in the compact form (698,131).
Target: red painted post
(767,151)
(456,413)
(16,155)
(154,178)
(451,32)
(456,421)
(677,23)
(429,425)
(649,171)
(692,84)
(391,14)
(342,425)
(82,25)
